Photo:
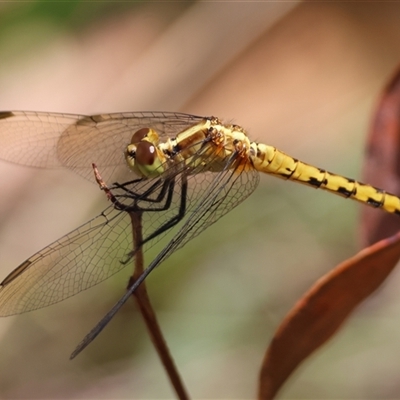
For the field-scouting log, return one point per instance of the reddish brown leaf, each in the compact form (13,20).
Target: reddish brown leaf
(322,310)
(382,163)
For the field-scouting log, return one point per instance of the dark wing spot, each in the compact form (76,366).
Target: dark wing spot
(16,273)
(6,114)
(99,118)
(86,121)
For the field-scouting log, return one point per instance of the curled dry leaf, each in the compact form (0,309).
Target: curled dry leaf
(382,162)
(322,310)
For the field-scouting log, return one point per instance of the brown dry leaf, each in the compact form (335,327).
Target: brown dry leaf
(382,162)
(322,310)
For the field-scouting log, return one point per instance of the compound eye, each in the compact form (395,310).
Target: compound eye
(142,155)
(145,153)
(139,135)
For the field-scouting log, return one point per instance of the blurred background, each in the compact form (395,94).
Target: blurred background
(304,77)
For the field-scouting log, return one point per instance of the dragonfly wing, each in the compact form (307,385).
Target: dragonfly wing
(30,138)
(205,186)
(77,261)
(212,195)
(76,141)
(227,190)
(102,139)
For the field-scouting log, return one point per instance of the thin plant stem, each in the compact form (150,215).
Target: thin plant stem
(148,313)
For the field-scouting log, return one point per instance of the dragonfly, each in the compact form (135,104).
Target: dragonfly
(181,172)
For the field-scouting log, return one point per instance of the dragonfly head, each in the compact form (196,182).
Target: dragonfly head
(143,155)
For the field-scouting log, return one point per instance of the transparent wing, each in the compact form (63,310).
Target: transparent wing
(76,141)
(94,252)
(75,262)
(216,195)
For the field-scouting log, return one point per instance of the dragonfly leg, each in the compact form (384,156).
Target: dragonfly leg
(167,190)
(171,222)
(103,186)
(130,192)
(135,196)
(145,196)
(175,219)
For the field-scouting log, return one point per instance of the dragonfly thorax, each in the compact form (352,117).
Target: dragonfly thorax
(209,144)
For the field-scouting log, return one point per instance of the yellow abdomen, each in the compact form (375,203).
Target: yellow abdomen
(270,160)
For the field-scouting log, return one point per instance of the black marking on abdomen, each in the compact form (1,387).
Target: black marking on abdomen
(344,191)
(291,171)
(315,182)
(374,203)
